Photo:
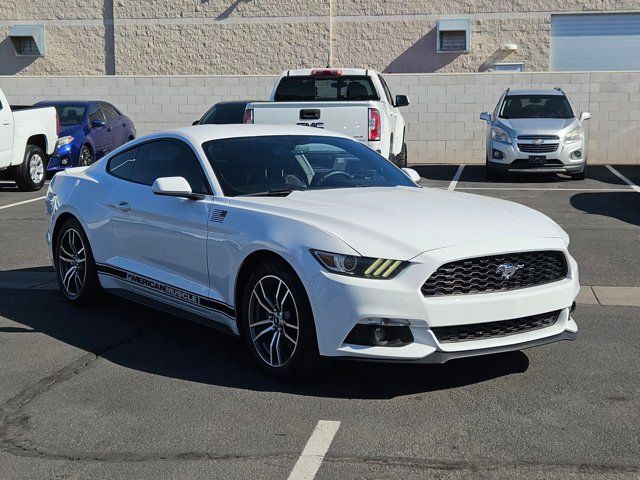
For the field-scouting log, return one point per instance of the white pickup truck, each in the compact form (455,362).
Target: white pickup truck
(28,136)
(351,101)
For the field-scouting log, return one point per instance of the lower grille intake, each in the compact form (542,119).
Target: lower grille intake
(483,331)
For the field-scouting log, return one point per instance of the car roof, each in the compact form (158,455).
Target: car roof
(198,134)
(235,102)
(539,91)
(69,102)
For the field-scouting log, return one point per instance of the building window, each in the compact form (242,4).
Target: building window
(453,36)
(28,40)
(26,46)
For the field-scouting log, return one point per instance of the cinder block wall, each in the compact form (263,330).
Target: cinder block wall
(443,124)
(168,37)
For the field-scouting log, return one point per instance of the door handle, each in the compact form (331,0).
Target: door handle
(6,122)
(109,129)
(124,124)
(124,206)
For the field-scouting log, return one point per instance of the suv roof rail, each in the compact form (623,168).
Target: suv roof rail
(559,90)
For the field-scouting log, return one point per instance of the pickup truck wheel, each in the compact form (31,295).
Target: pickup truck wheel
(85,157)
(30,174)
(401,158)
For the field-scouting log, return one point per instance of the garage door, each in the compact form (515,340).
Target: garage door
(595,42)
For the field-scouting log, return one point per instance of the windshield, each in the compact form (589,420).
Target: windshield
(536,106)
(323,89)
(225,113)
(282,163)
(70,115)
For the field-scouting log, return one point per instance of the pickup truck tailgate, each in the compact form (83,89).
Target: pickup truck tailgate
(348,118)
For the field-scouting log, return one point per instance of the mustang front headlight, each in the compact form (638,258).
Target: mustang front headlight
(62,141)
(499,135)
(356,266)
(574,135)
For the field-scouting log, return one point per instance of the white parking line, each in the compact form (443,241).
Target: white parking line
(22,203)
(623,178)
(314,451)
(456,177)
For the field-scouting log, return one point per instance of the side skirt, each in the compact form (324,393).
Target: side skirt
(159,295)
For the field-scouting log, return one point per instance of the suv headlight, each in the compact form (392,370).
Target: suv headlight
(62,141)
(574,135)
(356,266)
(499,135)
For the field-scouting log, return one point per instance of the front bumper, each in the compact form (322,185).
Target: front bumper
(339,303)
(64,157)
(563,160)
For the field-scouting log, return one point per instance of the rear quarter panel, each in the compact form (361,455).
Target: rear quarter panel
(30,122)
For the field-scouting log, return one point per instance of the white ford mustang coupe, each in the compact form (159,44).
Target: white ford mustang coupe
(308,243)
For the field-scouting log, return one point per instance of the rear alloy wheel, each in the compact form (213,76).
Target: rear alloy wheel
(277,321)
(85,157)
(75,267)
(30,174)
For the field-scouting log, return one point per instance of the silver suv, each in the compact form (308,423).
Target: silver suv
(535,131)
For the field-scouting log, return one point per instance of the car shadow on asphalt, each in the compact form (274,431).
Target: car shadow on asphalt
(147,340)
(624,206)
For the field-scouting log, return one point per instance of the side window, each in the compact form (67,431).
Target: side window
(387,92)
(95,113)
(169,158)
(121,165)
(110,113)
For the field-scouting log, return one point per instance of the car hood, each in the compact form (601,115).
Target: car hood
(532,126)
(403,222)
(76,131)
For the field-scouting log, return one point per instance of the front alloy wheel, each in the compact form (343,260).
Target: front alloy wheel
(85,157)
(276,320)
(273,321)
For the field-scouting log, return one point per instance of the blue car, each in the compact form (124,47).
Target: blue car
(88,131)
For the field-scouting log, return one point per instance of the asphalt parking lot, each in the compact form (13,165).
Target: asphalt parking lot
(116,390)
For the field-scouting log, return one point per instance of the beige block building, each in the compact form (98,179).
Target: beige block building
(238,37)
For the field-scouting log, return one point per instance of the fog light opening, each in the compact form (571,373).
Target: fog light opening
(64,161)
(497,154)
(577,154)
(379,336)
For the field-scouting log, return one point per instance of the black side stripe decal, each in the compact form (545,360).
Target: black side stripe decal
(166,289)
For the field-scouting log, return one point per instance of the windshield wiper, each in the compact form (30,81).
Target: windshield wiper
(276,192)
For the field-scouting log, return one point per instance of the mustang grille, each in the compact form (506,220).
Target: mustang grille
(482,331)
(533,148)
(482,275)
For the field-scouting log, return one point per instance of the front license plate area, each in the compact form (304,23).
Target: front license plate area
(537,159)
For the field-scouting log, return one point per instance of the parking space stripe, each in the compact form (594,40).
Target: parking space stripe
(623,178)
(456,177)
(22,203)
(314,451)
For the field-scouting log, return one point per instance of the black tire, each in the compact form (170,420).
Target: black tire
(580,175)
(80,286)
(30,175)
(85,156)
(490,172)
(401,159)
(291,352)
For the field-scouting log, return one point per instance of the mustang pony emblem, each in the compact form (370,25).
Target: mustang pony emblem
(508,270)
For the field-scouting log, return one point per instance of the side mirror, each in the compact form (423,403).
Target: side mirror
(584,116)
(486,117)
(402,101)
(412,174)
(97,123)
(174,187)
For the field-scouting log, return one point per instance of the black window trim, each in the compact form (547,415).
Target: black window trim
(387,91)
(152,140)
